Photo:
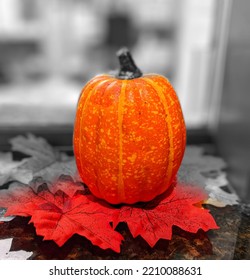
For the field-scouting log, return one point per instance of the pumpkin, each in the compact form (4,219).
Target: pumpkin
(129,134)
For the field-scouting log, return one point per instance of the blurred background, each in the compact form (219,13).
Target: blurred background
(50,48)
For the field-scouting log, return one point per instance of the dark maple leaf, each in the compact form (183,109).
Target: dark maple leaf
(43,161)
(40,151)
(59,211)
(12,170)
(154,220)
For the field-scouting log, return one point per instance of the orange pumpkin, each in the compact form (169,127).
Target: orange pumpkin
(129,134)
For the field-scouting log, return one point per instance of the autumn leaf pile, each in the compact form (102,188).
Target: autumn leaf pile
(60,205)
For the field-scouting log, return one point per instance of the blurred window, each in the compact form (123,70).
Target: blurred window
(50,48)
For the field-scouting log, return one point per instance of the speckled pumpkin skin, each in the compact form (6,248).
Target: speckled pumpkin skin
(129,137)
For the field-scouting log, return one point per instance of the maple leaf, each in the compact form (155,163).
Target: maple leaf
(43,161)
(59,211)
(217,195)
(194,155)
(206,171)
(11,170)
(154,220)
(41,153)
(56,169)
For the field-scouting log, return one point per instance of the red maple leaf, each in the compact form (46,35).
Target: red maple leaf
(155,219)
(59,211)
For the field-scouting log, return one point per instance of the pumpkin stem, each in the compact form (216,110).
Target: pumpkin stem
(128,69)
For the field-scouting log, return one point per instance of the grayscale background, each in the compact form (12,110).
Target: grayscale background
(50,48)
